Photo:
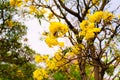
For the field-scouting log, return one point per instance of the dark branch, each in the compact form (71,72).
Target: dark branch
(70,11)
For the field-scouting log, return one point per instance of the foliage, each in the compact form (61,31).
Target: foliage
(15,57)
(92,32)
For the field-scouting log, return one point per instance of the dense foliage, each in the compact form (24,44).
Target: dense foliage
(15,57)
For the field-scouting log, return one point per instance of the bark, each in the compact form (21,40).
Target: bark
(82,69)
(98,72)
(98,69)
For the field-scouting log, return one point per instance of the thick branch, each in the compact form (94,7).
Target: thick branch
(70,11)
(104,2)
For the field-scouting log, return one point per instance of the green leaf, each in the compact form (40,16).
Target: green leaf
(59,76)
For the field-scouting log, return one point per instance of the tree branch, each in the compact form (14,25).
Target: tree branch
(70,11)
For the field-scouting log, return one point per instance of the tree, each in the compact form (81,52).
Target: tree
(91,29)
(15,57)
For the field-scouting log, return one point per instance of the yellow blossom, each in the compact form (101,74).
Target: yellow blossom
(75,49)
(26,0)
(40,74)
(58,29)
(58,55)
(10,23)
(89,35)
(107,16)
(45,57)
(38,58)
(84,24)
(96,29)
(88,29)
(96,17)
(15,3)
(69,55)
(51,64)
(51,41)
(50,16)
(81,46)
(61,63)
(61,44)
(33,9)
(96,2)
(82,33)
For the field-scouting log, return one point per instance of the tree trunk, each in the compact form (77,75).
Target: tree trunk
(98,72)
(82,69)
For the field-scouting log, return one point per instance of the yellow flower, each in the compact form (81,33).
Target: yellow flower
(40,74)
(82,33)
(51,41)
(10,23)
(51,64)
(58,55)
(89,35)
(45,57)
(96,29)
(88,29)
(50,16)
(96,17)
(96,2)
(12,2)
(58,29)
(26,0)
(61,44)
(84,24)
(38,58)
(15,3)
(76,49)
(107,16)
(61,63)
(91,25)
(69,55)
(33,9)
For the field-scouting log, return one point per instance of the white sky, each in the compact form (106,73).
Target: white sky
(34,34)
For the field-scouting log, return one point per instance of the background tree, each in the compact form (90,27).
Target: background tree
(15,57)
(93,33)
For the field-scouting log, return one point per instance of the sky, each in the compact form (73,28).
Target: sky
(34,35)
(35,30)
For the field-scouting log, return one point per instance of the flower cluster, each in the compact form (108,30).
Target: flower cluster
(40,74)
(57,29)
(15,3)
(96,17)
(88,27)
(100,15)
